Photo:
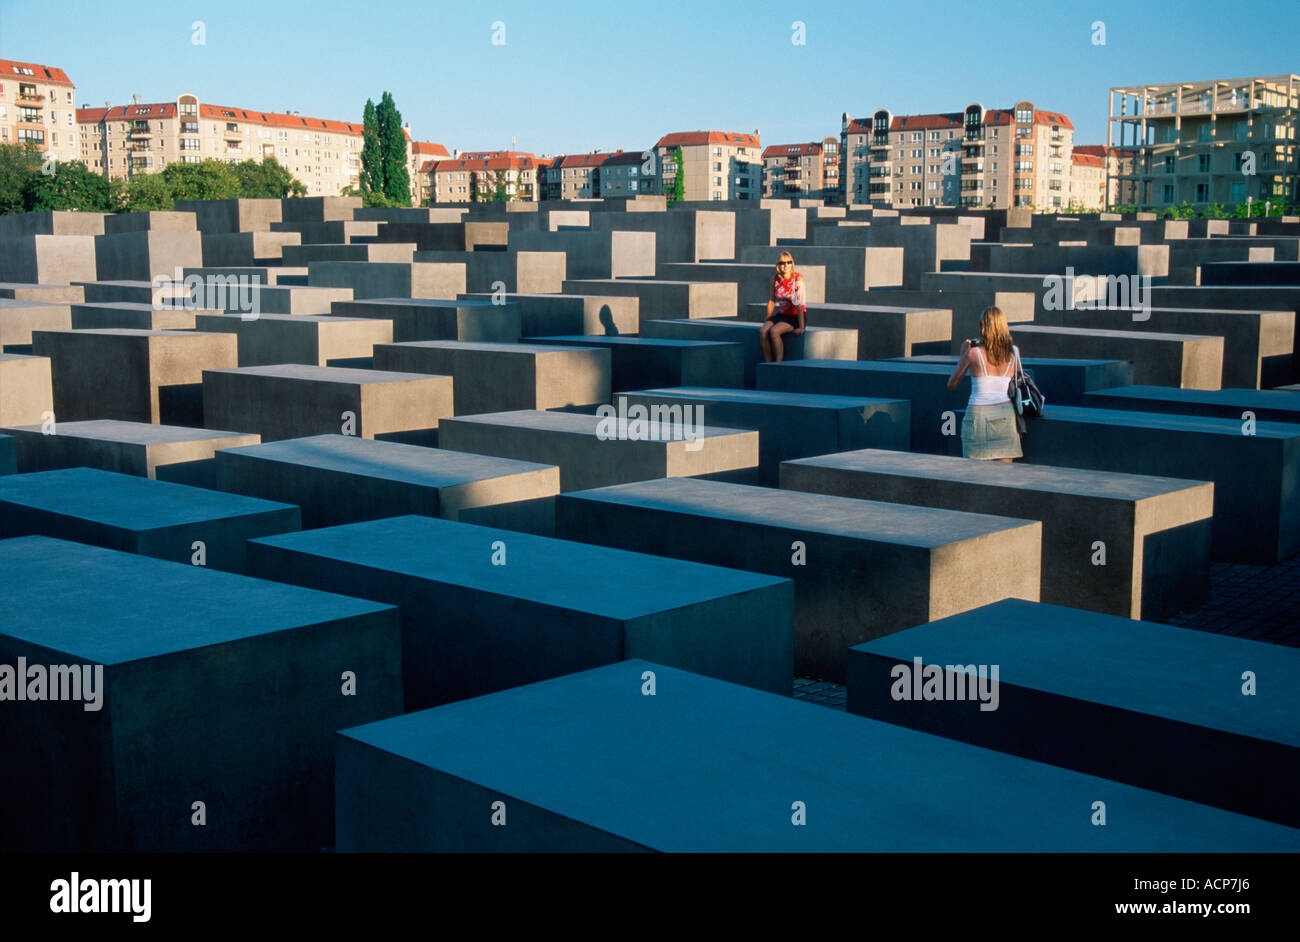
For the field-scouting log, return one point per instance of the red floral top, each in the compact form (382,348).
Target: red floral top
(789,295)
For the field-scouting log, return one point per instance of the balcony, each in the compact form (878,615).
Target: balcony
(235,135)
(137,133)
(30,99)
(972,168)
(879,171)
(972,186)
(880,144)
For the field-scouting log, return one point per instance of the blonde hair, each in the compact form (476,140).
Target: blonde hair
(783,256)
(995,335)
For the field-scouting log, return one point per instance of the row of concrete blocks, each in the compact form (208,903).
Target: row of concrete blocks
(362,777)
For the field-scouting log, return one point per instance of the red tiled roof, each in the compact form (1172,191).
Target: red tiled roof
(1086,160)
(45,74)
(792,150)
(429,149)
(926,122)
(955,121)
(217,113)
(623,158)
(581,160)
(518,162)
(1095,150)
(859,126)
(707,137)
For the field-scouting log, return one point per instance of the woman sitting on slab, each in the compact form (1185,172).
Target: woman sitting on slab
(989,429)
(785,309)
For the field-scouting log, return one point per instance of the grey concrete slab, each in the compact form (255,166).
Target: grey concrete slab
(1124,544)
(135,375)
(304,255)
(462,236)
(131,315)
(173,648)
(1186,256)
(883,331)
(1189,361)
(1068,380)
(293,400)
(151,221)
(26,390)
(638,362)
(333,231)
(556,314)
(683,235)
(19,318)
(135,292)
(850,270)
(52,222)
(594,253)
(1251,273)
(965,307)
(596,450)
(498,377)
(320,208)
(129,447)
(247,248)
(1143,260)
(48,259)
(576,780)
(343,479)
(660,297)
(1267,405)
(508,271)
(238,215)
(298,338)
(926,248)
(790,425)
(832,343)
(390,279)
(861,568)
(1256,501)
(433,319)
(753,280)
(258,298)
(1257,345)
(146,254)
(8,455)
(133,514)
(50,294)
(472,626)
(1183,729)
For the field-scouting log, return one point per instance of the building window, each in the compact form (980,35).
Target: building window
(1202,166)
(1202,192)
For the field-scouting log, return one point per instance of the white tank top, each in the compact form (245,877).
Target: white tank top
(989,390)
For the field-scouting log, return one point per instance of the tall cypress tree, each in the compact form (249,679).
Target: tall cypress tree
(392,143)
(372,180)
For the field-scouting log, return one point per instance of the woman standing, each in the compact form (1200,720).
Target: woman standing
(785,309)
(989,429)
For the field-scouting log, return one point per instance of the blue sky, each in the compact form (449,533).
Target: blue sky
(573,77)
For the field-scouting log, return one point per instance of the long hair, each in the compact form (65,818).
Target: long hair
(781,258)
(995,335)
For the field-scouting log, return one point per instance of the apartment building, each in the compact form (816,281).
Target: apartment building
(473,177)
(617,174)
(419,155)
(1215,141)
(124,140)
(718,165)
(624,175)
(1093,170)
(803,171)
(1017,156)
(36,106)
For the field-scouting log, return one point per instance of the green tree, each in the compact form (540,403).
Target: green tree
(372,179)
(267,180)
(678,191)
(1215,211)
(70,185)
(146,192)
(18,164)
(392,140)
(207,180)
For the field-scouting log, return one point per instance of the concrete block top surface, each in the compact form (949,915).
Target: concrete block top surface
(393,461)
(120,607)
(18,302)
(1233,398)
(1019,477)
(125,501)
(765,398)
(576,423)
(542,569)
(600,340)
(324,374)
(431,302)
(1100,332)
(1171,422)
(876,521)
(1177,673)
(521,349)
(575,746)
(133,433)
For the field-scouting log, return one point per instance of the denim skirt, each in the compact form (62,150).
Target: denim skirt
(990,432)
